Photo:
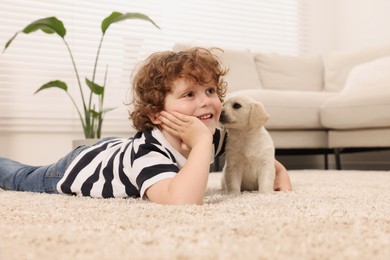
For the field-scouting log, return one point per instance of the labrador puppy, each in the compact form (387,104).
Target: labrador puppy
(250,152)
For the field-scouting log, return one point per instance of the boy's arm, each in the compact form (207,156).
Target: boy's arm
(189,184)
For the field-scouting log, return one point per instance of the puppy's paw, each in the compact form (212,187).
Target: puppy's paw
(233,191)
(228,189)
(266,188)
(266,182)
(231,182)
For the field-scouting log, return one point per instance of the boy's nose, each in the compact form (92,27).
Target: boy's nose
(204,100)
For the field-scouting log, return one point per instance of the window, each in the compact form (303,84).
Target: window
(34,59)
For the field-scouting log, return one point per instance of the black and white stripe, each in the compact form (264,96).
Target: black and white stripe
(125,167)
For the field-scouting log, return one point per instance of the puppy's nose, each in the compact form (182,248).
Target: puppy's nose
(223,117)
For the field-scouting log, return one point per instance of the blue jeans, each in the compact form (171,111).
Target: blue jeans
(20,177)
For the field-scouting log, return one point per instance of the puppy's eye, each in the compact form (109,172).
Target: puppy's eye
(236,106)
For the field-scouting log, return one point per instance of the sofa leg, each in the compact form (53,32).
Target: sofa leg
(337,152)
(326,164)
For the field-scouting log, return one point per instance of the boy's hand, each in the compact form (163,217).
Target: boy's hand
(188,128)
(188,186)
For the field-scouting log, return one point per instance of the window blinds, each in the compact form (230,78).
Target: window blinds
(37,58)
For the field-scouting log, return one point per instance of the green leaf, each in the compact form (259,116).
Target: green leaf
(95,114)
(95,88)
(54,84)
(48,25)
(108,109)
(115,17)
(9,41)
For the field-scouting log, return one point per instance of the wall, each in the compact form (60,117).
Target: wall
(364,23)
(322,22)
(35,148)
(348,24)
(40,148)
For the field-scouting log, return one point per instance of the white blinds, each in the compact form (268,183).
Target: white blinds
(34,59)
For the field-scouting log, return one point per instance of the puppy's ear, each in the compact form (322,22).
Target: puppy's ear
(258,115)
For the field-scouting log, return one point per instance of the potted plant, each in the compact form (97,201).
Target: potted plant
(92,111)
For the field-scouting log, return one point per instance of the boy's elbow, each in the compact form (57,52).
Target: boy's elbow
(187,202)
(180,200)
(164,193)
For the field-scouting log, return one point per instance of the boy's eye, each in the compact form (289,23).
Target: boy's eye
(188,94)
(211,90)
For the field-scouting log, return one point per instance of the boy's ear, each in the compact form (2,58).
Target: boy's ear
(155,118)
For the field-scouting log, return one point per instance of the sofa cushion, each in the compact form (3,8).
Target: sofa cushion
(296,139)
(337,65)
(240,62)
(290,109)
(358,108)
(365,100)
(287,72)
(368,75)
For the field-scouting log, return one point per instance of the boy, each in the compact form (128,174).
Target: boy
(177,100)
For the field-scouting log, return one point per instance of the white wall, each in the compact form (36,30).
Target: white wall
(41,148)
(364,23)
(35,148)
(322,25)
(335,25)
(348,24)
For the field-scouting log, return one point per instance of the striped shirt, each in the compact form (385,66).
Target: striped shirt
(120,168)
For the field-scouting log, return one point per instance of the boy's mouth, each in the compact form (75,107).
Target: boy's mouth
(206,116)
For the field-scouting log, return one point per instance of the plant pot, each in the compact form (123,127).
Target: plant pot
(87,141)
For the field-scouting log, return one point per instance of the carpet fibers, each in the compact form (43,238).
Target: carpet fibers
(329,215)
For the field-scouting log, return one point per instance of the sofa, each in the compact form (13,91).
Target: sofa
(329,103)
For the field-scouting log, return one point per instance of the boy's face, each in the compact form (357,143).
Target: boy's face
(192,99)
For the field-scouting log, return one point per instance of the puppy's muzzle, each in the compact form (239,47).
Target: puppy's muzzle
(224,118)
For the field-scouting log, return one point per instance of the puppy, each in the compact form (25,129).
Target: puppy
(249,152)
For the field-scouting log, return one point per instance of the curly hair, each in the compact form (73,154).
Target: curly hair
(155,77)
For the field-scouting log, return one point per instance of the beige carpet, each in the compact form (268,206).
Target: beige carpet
(329,215)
